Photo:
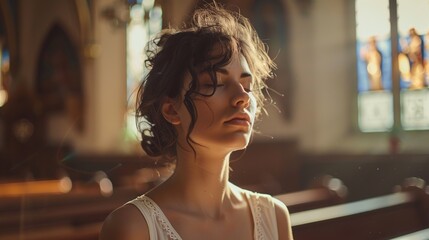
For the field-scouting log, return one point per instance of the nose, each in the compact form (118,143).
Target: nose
(241,98)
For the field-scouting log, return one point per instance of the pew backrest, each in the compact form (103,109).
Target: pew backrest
(376,218)
(418,235)
(309,199)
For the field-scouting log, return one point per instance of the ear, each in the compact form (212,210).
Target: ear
(169,111)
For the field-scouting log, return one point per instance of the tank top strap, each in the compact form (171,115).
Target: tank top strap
(159,226)
(264,215)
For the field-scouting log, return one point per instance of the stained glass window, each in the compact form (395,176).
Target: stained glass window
(374,65)
(4,74)
(376,74)
(413,59)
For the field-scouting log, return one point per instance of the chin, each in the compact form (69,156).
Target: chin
(231,142)
(239,144)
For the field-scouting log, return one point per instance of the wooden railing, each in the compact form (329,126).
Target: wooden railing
(417,235)
(375,218)
(77,214)
(330,192)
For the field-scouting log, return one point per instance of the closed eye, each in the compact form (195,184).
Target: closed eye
(246,79)
(211,87)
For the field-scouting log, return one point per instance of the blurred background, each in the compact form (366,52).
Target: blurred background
(351,110)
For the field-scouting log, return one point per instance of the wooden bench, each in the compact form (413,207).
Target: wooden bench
(375,218)
(330,193)
(418,235)
(61,231)
(55,214)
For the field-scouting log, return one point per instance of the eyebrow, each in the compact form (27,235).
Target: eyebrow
(243,74)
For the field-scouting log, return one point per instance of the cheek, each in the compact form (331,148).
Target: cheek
(253,107)
(205,111)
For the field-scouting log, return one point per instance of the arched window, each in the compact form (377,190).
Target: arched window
(59,82)
(8,48)
(4,73)
(145,22)
(392,50)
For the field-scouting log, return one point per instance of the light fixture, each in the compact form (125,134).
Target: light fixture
(117,14)
(304,6)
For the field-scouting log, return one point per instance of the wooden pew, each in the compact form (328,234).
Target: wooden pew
(59,209)
(330,192)
(71,214)
(375,218)
(42,187)
(52,215)
(418,235)
(309,199)
(61,231)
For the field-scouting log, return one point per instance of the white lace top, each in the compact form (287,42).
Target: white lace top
(261,205)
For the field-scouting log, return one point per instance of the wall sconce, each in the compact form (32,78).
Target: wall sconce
(117,14)
(304,5)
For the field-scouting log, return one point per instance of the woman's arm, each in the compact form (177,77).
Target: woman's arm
(125,223)
(283,221)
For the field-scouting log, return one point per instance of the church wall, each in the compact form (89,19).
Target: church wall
(322,48)
(320,53)
(103,74)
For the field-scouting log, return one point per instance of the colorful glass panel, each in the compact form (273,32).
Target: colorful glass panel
(413,61)
(374,66)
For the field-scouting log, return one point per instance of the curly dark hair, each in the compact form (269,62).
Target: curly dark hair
(175,53)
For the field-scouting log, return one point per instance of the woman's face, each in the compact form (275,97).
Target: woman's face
(225,119)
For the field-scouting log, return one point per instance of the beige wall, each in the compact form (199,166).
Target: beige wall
(324,75)
(323,71)
(104,75)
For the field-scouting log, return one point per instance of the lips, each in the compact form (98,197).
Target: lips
(239,119)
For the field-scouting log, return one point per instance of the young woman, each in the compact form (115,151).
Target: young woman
(197,105)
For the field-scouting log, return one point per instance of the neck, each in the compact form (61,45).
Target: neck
(202,181)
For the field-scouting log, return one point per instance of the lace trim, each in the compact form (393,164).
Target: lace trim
(166,226)
(258,224)
(160,217)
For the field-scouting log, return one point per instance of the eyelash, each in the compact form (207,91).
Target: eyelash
(212,85)
(221,85)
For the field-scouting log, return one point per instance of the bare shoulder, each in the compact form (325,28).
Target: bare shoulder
(283,220)
(125,223)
